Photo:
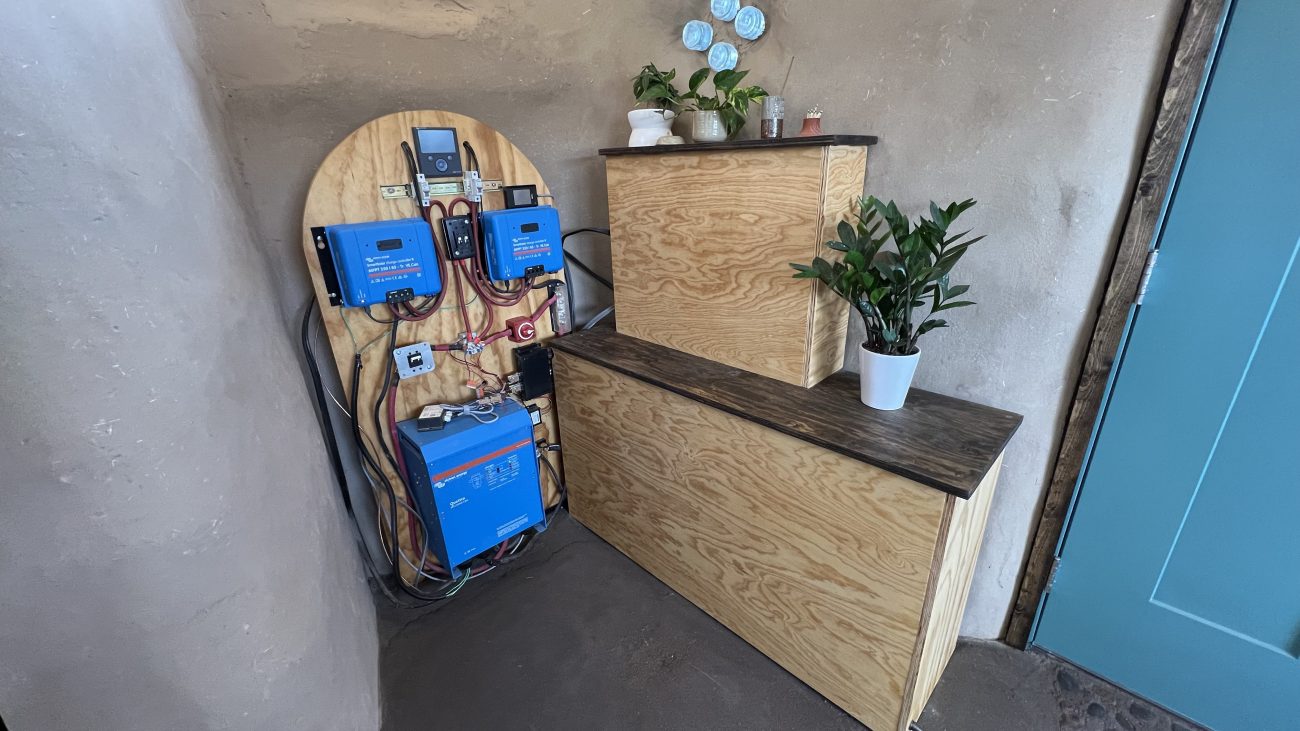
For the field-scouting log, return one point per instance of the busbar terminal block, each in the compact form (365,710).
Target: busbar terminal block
(380,262)
(522,242)
(476,482)
(561,313)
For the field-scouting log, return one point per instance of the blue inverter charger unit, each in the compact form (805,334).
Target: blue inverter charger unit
(476,484)
(522,241)
(384,261)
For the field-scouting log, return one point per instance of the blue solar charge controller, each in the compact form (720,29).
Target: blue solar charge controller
(384,261)
(522,241)
(476,484)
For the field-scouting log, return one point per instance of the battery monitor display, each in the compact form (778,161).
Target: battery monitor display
(437,152)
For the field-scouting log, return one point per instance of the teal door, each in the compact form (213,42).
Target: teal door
(1179,575)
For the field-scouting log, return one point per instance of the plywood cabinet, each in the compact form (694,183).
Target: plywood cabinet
(837,540)
(702,238)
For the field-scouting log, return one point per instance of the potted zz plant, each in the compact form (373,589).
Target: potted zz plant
(897,292)
(722,115)
(657,101)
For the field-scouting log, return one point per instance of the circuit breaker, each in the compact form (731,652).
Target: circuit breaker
(476,483)
(522,242)
(380,262)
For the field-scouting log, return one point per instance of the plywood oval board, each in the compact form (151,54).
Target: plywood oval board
(346,190)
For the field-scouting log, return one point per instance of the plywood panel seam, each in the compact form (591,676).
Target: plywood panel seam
(940,547)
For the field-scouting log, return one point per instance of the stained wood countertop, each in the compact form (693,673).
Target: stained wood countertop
(811,141)
(936,440)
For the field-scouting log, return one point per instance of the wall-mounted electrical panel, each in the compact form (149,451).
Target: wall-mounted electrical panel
(476,484)
(383,261)
(437,152)
(522,242)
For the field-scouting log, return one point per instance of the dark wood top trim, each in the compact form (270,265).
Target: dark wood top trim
(815,141)
(939,441)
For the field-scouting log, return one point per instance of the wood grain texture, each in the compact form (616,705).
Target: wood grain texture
(1184,72)
(946,604)
(938,441)
(811,141)
(828,317)
(346,190)
(701,246)
(819,561)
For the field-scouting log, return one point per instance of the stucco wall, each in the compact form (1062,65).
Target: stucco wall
(172,554)
(1035,109)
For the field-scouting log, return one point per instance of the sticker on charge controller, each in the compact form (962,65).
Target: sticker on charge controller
(386,268)
(526,246)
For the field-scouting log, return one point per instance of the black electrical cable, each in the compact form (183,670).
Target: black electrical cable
(559,485)
(380,429)
(473,156)
(568,276)
(336,459)
(371,315)
(414,170)
(394,547)
(411,167)
(578,262)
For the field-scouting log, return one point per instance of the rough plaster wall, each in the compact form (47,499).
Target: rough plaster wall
(1036,109)
(171,552)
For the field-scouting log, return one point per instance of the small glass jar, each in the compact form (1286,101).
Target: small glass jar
(707,126)
(773,124)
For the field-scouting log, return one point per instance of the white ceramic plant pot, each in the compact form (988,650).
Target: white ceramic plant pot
(648,125)
(885,379)
(706,126)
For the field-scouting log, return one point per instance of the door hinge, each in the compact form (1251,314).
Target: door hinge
(1051,574)
(1146,276)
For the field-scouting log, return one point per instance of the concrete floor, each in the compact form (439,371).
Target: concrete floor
(576,636)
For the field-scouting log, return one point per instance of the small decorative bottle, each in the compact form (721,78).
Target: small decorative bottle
(812,123)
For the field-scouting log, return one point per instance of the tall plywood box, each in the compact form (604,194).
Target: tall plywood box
(703,236)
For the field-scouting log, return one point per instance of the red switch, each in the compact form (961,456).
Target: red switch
(522,329)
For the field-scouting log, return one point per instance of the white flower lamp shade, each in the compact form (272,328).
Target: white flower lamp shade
(697,35)
(723,56)
(750,23)
(724,10)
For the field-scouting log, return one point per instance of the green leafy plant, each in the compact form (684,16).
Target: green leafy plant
(729,98)
(654,89)
(893,289)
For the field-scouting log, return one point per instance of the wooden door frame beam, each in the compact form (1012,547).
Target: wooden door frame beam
(1194,40)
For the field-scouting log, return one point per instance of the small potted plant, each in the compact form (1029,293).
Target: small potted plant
(657,101)
(897,292)
(719,116)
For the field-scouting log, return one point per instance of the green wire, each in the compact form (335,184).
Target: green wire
(348,326)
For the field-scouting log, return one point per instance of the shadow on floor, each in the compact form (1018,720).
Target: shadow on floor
(576,636)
